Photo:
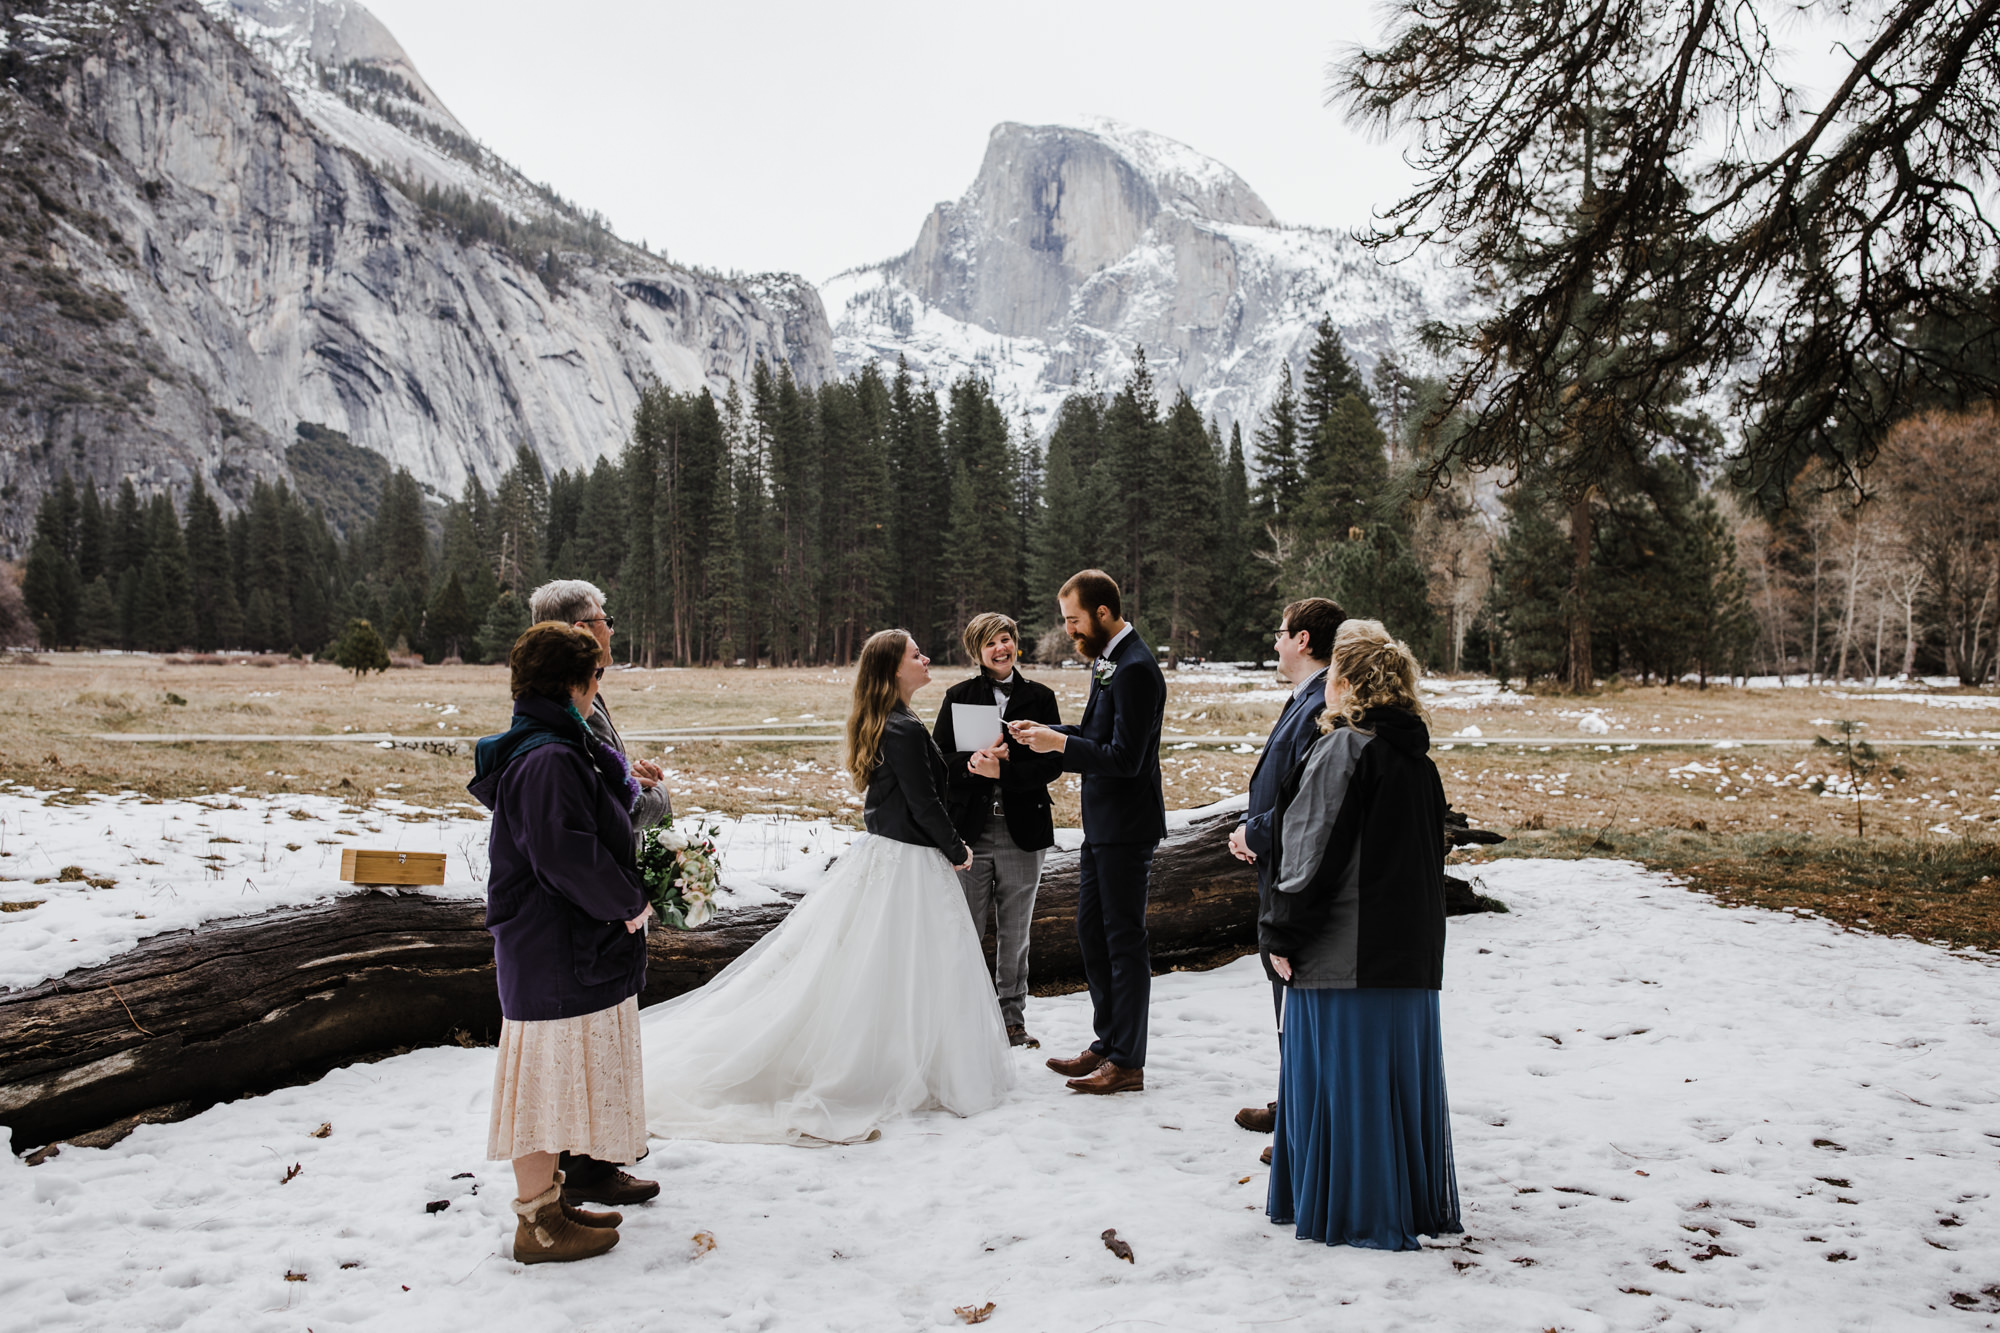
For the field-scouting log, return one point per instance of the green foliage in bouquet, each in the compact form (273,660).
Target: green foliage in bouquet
(682,872)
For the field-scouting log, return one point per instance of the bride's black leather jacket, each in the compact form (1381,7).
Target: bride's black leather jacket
(906,792)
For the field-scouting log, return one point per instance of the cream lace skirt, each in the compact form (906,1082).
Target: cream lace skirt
(570,1085)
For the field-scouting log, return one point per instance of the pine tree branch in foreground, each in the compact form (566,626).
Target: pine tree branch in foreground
(1657,211)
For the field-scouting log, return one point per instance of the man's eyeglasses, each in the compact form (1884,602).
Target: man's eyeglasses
(610,622)
(598,674)
(1282,633)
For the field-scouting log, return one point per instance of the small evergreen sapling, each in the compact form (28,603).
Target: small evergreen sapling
(361,649)
(1857,756)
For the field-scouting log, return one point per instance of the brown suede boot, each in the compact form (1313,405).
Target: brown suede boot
(544,1235)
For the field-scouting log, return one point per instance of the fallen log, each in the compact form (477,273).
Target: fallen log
(246,1005)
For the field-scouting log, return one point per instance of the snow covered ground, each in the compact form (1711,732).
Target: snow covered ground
(172,865)
(1668,1115)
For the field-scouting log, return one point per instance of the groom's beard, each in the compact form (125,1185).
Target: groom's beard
(1091,644)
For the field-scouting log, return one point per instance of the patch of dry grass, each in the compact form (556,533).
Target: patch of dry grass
(1737,822)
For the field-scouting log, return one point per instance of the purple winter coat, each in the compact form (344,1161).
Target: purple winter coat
(561,881)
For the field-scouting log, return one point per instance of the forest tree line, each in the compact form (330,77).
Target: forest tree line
(784,524)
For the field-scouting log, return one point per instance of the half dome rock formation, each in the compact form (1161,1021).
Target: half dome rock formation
(1076,246)
(221,221)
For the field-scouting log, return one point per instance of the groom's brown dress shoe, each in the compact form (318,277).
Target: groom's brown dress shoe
(1086,1063)
(1110,1078)
(1017,1035)
(1259,1119)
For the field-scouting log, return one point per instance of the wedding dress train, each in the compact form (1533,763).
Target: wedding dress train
(870,1000)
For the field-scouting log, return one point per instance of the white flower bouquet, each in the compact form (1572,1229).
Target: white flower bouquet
(682,873)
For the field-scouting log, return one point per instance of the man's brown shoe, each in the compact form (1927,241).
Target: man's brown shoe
(1258,1119)
(1265,1157)
(1111,1078)
(1084,1064)
(1017,1035)
(614,1188)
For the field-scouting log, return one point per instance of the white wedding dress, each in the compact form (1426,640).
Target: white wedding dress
(870,1000)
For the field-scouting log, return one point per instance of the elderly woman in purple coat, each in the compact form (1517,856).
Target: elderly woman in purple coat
(567,911)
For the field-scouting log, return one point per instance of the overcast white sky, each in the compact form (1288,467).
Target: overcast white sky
(812,137)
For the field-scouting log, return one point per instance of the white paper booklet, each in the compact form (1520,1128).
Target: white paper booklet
(975,726)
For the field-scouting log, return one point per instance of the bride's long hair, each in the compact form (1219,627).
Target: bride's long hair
(875,697)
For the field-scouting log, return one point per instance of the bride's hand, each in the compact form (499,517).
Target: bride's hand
(638,923)
(966,864)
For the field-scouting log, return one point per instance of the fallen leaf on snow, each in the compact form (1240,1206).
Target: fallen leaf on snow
(437,1205)
(975,1314)
(326,1128)
(1117,1246)
(294,1277)
(296,1168)
(704,1241)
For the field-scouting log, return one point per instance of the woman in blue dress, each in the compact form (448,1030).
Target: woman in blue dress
(1362,1150)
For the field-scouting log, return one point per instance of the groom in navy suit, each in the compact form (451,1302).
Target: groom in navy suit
(1116,747)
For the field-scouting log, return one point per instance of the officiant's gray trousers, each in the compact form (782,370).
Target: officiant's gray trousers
(1000,887)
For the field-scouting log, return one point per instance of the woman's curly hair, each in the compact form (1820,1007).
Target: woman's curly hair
(1380,671)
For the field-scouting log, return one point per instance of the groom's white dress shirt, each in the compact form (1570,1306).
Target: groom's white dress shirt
(1112,647)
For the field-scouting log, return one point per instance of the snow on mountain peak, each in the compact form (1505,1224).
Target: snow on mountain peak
(1182,175)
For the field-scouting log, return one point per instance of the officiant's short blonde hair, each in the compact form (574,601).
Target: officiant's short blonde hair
(983,629)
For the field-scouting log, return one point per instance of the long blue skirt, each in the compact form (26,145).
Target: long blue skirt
(1362,1153)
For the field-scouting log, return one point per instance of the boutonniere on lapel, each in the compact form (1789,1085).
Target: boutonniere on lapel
(1103,669)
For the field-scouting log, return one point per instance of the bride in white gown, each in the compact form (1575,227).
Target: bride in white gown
(872,998)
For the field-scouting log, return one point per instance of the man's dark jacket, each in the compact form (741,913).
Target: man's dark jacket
(905,799)
(1116,747)
(1297,729)
(1023,784)
(561,882)
(1358,887)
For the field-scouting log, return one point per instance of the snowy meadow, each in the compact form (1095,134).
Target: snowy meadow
(1671,1110)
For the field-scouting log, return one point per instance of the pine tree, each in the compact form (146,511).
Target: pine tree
(218,618)
(1347,473)
(1330,377)
(1281,480)
(1244,606)
(92,534)
(97,623)
(520,522)
(51,583)
(1064,532)
(398,542)
(449,622)
(361,650)
(921,484)
(164,615)
(1126,477)
(506,622)
(1187,529)
(1530,587)
(125,544)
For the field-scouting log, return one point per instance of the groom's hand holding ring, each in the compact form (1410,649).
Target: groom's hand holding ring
(1037,737)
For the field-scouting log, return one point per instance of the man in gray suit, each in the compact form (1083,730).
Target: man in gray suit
(577,603)
(574,602)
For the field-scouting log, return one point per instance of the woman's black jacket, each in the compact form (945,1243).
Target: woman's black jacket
(905,793)
(1023,784)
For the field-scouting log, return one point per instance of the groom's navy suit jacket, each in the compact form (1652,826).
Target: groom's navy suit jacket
(1284,750)
(1116,747)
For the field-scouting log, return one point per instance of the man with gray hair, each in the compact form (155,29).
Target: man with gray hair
(574,602)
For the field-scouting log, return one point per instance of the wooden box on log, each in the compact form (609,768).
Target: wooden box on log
(358,865)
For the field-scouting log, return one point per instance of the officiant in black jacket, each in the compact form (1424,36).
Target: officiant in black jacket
(998,798)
